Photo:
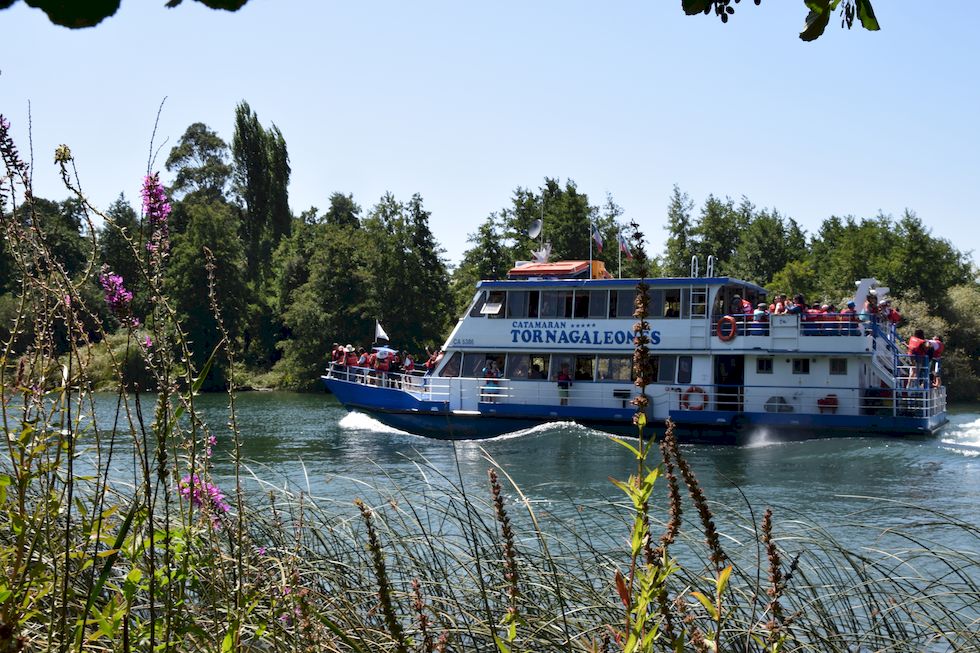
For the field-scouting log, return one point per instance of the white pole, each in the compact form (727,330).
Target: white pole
(619,250)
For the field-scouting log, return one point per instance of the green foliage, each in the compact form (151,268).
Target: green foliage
(200,161)
(212,226)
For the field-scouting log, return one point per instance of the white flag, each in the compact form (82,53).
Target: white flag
(379,333)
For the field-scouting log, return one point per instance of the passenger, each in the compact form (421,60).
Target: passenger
(798,307)
(564,383)
(760,320)
(936,353)
(918,359)
(536,372)
(740,306)
(491,373)
(778,306)
(351,362)
(891,315)
(869,312)
(382,365)
(849,317)
(395,369)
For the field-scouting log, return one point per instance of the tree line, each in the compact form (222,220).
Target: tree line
(289,286)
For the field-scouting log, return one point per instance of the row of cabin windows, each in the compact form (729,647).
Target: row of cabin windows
(595,304)
(838,366)
(581,367)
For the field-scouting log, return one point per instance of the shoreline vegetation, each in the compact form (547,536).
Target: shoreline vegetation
(162,558)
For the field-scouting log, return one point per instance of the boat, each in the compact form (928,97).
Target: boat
(719,375)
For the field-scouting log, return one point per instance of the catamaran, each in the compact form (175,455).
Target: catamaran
(554,342)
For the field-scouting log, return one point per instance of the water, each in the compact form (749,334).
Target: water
(309,443)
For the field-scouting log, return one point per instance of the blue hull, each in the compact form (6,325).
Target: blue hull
(434,419)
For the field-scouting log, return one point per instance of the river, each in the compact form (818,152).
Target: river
(309,442)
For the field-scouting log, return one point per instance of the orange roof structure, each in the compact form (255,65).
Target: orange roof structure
(560,270)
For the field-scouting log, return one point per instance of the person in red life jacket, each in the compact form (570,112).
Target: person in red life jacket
(935,354)
(741,306)
(869,312)
(350,360)
(848,315)
(778,306)
(918,350)
(408,363)
(891,315)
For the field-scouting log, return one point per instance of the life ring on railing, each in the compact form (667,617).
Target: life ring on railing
(686,398)
(733,328)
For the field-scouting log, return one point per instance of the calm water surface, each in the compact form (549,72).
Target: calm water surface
(309,442)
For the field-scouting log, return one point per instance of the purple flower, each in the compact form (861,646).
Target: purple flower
(204,494)
(117,297)
(148,342)
(156,207)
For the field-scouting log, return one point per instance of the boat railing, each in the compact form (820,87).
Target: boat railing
(920,402)
(821,324)
(417,383)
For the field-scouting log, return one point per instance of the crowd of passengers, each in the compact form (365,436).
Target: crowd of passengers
(381,365)
(825,319)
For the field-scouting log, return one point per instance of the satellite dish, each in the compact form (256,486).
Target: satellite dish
(535,229)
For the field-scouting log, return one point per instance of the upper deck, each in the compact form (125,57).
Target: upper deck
(559,314)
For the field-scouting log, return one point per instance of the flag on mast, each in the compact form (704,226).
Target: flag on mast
(597,237)
(624,246)
(379,333)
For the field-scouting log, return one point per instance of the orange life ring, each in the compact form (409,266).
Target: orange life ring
(729,320)
(686,398)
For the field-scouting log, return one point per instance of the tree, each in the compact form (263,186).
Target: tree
(261,175)
(330,306)
(200,160)
(678,248)
(816,21)
(88,14)
(343,211)
(212,225)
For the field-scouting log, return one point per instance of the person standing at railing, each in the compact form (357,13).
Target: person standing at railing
(935,354)
(564,383)
(491,373)
(848,316)
(760,321)
(918,350)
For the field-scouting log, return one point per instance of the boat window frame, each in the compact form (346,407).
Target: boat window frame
(477,305)
(584,358)
(839,362)
(623,361)
(801,366)
(764,365)
(517,304)
(597,310)
(456,358)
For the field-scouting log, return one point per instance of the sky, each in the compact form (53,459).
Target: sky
(463,102)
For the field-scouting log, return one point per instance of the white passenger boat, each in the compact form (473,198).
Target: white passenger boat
(719,376)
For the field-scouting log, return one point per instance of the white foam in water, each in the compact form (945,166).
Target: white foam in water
(360,422)
(963,437)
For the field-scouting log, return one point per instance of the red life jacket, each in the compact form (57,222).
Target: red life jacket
(917,346)
(937,348)
(382,365)
(351,359)
(747,308)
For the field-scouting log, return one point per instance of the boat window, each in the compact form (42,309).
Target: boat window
(672,302)
(493,308)
(522,367)
(614,368)
(763,366)
(475,362)
(655,308)
(581,304)
(478,302)
(598,303)
(517,303)
(556,303)
(684,367)
(561,360)
(838,366)
(584,368)
(451,368)
(621,303)
(801,366)
(668,367)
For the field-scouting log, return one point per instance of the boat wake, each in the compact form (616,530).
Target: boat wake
(355,421)
(963,437)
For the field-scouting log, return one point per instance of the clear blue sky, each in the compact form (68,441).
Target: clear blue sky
(463,102)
